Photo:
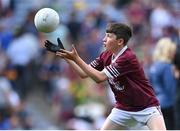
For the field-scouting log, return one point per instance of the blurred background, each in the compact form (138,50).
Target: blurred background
(40,91)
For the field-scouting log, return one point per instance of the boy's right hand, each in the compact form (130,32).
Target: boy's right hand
(52,47)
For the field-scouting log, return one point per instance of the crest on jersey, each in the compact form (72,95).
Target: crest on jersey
(117,85)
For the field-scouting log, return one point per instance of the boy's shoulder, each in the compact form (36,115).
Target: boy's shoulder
(106,54)
(128,54)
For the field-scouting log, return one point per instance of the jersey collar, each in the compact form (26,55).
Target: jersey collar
(120,53)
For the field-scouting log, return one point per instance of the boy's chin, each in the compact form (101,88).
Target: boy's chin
(104,48)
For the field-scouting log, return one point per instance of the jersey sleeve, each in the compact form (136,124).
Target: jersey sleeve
(120,67)
(98,63)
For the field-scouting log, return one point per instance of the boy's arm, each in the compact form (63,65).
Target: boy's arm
(97,76)
(90,71)
(54,48)
(77,69)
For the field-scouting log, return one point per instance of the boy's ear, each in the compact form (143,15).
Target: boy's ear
(120,41)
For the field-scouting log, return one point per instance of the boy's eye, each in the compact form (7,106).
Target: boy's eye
(108,35)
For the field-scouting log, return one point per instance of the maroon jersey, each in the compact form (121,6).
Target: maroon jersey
(127,80)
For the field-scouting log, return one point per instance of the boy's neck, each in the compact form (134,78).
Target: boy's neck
(118,50)
(121,51)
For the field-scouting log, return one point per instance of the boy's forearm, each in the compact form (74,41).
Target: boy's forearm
(90,71)
(77,69)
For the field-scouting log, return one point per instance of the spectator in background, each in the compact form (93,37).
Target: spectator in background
(29,23)
(9,104)
(74,27)
(93,47)
(136,14)
(22,52)
(160,17)
(6,36)
(162,79)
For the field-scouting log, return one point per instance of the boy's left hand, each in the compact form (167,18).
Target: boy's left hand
(52,47)
(72,55)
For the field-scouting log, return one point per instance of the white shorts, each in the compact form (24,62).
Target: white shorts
(131,119)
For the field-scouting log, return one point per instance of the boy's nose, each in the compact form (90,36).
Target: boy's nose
(104,39)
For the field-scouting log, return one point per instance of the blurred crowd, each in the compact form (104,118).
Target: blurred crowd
(25,65)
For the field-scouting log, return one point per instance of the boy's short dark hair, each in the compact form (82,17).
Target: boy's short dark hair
(120,30)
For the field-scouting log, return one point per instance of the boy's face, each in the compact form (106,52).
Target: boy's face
(111,43)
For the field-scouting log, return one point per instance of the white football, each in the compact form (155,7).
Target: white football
(46,20)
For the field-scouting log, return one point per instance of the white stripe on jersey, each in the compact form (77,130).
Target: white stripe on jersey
(94,63)
(107,73)
(109,69)
(113,70)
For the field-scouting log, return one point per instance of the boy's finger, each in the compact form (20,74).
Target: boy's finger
(73,47)
(60,43)
(47,45)
(63,51)
(61,54)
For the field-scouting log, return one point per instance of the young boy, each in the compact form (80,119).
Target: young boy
(135,99)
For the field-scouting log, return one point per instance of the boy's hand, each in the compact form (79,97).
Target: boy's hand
(52,47)
(71,55)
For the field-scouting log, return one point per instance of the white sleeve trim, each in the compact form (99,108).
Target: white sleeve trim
(107,73)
